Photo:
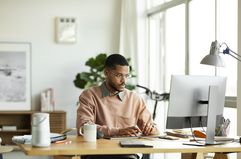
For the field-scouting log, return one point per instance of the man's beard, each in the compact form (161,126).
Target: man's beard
(114,88)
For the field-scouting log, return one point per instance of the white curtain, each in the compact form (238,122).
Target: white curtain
(133,37)
(134,42)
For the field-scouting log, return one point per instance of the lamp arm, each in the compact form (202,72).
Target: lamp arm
(148,91)
(228,50)
(234,53)
(235,57)
(160,97)
(154,95)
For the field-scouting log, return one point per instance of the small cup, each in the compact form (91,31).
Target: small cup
(89,132)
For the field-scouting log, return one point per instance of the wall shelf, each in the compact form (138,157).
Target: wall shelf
(16,131)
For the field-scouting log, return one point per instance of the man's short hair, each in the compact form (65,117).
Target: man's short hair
(115,59)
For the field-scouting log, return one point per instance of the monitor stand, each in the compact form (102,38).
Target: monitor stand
(211,116)
(211,119)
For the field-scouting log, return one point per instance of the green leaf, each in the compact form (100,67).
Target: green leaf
(130,86)
(100,59)
(90,62)
(88,77)
(91,84)
(78,82)
(97,62)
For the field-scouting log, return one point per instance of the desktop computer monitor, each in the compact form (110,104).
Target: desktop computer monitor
(192,99)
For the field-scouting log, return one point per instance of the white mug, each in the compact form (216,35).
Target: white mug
(89,132)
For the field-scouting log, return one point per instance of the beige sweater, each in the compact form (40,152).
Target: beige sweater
(111,113)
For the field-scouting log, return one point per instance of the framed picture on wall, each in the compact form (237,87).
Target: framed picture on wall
(66,30)
(15,87)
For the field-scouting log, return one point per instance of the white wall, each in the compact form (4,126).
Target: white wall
(55,65)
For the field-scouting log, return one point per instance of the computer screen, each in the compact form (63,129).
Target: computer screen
(189,98)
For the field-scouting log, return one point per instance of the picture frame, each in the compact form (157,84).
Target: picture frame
(66,30)
(15,73)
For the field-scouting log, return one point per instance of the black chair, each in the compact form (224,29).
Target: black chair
(146,156)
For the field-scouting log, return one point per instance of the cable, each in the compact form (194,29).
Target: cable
(201,123)
(190,124)
(194,138)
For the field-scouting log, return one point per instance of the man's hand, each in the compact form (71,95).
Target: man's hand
(129,131)
(147,129)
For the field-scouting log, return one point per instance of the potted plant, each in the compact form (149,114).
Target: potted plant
(95,76)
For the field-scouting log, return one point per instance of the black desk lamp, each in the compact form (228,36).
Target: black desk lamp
(156,97)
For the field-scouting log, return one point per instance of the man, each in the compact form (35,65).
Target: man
(116,110)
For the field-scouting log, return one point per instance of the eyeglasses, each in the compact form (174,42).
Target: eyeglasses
(120,75)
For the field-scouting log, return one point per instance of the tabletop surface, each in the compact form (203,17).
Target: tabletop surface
(76,146)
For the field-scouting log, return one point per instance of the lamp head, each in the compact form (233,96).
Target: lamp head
(213,57)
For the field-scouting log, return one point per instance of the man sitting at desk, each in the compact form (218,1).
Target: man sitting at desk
(116,110)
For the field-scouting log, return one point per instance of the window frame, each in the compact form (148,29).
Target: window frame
(230,101)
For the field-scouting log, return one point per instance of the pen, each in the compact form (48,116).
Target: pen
(63,142)
(59,142)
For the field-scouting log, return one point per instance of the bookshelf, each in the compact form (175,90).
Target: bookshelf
(22,120)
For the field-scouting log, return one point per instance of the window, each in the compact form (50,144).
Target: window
(175,42)
(180,35)
(202,33)
(168,37)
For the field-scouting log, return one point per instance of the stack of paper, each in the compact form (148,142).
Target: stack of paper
(26,139)
(9,128)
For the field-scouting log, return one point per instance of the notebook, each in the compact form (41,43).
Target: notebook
(203,143)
